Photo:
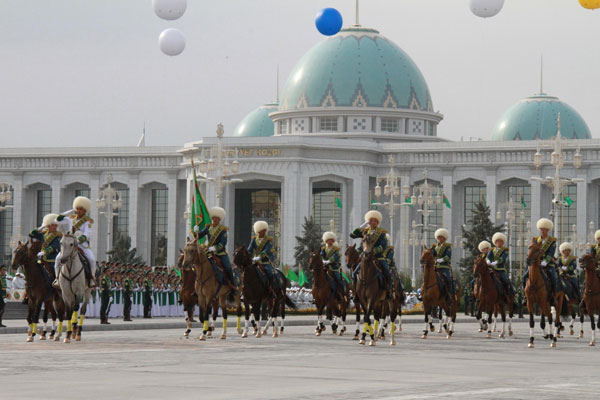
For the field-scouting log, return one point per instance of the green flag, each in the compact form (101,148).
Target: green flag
(178,272)
(408,201)
(446,201)
(200,215)
(345,277)
(523,201)
(569,201)
(292,277)
(302,277)
(338,202)
(372,205)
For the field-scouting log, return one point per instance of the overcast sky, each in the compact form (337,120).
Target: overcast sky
(89,73)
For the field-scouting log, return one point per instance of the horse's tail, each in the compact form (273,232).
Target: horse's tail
(290,303)
(565,308)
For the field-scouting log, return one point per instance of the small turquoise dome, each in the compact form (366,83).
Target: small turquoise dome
(536,117)
(257,122)
(356,68)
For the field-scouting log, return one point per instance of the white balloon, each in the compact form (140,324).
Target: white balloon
(171,41)
(169,9)
(486,8)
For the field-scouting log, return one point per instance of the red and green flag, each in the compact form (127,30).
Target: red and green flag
(200,215)
(408,200)
(338,202)
(569,201)
(302,277)
(523,201)
(289,273)
(446,201)
(345,277)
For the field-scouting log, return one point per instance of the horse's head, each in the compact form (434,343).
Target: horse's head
(588,261)
(427,258)
(190,254)
(534,253)
(19,256)
(352,256)
(480,266)
(68,247)
(315,262)
(241,257)
(368,244)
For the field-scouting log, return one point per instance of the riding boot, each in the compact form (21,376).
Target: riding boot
(25,298)
(2,314)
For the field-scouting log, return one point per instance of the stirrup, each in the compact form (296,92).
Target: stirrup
(55,284)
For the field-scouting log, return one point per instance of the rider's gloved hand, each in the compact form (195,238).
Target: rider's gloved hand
(255,259)
(440,260)
(40,254)
(196,228)
(544,263)
(212,249)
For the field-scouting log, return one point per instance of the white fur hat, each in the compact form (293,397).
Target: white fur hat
(49,219)
(217,212)
(373,214)
(597,234)
(442,232)
(82,202)
(499,236)
(545,223)
(565,246)
(329,235)
(260,226)
(484,245)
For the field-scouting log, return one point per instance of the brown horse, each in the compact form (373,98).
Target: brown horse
(433,296)
(535,292)
(370,293)
(207,286)
(25,255)
(187,293)
(325,296)
(352,261)
(591,293)
(490,299)
(256,294)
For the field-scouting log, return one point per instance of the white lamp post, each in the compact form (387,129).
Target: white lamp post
(108,201)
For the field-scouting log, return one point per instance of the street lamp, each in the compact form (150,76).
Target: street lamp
(6,196)
(109,201)
(556,183)
(391,190)
(219,167)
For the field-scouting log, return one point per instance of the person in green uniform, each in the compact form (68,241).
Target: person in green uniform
(127,293)
(548,261)
(147,299)
(2,293)
(497,259)
(389,256)
(330,253)
(105,286)
(567,265)
(595,250)
(442,251)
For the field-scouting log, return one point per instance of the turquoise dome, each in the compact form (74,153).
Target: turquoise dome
(257,122)
(536,117)
(356,68)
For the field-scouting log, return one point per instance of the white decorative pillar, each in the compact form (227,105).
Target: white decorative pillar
(57,193)
(295,205)
(447,182)
(360,197)
(404,227)
(581,205)
(18,202)
(133,221)
(172,220)
(94,189)
(490,191)
(536,203)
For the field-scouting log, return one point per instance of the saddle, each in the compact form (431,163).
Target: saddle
(570,289)
(442,283)
(498,283)
(84,261)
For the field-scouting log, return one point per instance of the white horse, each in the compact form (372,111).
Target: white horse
(73,285)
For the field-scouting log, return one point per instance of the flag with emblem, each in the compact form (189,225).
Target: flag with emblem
(200,215)
(302,277)
(569,201)
(446,201)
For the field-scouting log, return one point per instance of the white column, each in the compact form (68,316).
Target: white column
(581,204)
(404,229)
(447,187)
(536,203)
(18,204)
(133,208)
(172,220)
(230,216)
(94,189)
(360,198)
(57,193)
(295,205)
(345,228)
(490,190)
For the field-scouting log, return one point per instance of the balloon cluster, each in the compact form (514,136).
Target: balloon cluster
(486,8)
(171,41)
(329,21)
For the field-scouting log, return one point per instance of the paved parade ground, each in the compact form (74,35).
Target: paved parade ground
(159,364)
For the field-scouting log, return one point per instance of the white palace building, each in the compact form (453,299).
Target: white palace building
(352,105)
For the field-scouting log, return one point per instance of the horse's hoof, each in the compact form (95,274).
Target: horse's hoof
(546,336)
(501,335)
(29,339)
(432,328)
(51,338)
(223,336)
(571,332)
(203,337)
(318,333)
(209,333)
(239,331)
(392,343)
(489,335)
(372,343)
(78,338)
(439,330)
(67,340)
(42,337)
(399,329)
(553,344)
(57,339)
(558,335)
(281,331)
(424,337)
(341,333)
(361,341)
(494,330)
(258,335)
(275,334)
(448,336)
(264,332)
(580,336)
(510,333)
(480,330)
(186,335)
(254,331)
(592,343)
(355,338)
(244,335)
(334,332)
(530,345)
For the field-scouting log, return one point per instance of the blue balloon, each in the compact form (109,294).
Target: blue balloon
(329,21)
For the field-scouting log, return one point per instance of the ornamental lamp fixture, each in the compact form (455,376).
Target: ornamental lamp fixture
(386,190)
(406,191)
(577,159)
(211,165)
(396,191)
(235,167)
(377,190)
(537,159)
(202,166)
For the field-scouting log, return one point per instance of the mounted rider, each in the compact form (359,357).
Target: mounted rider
(50,237)
(371,228)
(80,224)
(330,253)
(548,244)
(484,248)
(497,259)
(262,251)
(217,242)
(567,265)
(389,256)
(595,250)
(442,251)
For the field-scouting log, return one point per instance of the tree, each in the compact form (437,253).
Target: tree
(481,228)
(309,241)
(123,253)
